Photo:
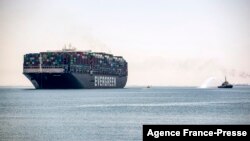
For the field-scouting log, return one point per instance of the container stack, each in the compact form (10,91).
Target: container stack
(54,59)
(79,62)
(31,60)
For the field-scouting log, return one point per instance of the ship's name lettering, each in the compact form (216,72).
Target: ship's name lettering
(105,81)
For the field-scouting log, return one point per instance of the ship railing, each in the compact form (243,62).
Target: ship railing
(45,69)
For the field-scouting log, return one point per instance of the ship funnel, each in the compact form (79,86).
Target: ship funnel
(69,48)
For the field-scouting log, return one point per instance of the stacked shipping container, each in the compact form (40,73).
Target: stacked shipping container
(79,62)
(31,60)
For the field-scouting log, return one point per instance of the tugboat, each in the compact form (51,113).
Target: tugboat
(225,84)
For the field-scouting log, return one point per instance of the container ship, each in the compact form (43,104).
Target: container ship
(71,69)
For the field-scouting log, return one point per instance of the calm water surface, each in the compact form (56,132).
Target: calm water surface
(114,114)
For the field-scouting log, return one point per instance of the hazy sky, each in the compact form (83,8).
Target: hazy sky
(165,42)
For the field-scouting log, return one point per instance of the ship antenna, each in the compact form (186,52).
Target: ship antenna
(64,47)
(70,45)
(225,78)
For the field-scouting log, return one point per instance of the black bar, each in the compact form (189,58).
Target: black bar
(164,132)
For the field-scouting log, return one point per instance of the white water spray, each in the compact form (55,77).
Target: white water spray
(206,83)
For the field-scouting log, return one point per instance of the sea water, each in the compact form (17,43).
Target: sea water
(114,114)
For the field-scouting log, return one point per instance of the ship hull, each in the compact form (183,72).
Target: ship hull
(75,81)
(228,86)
